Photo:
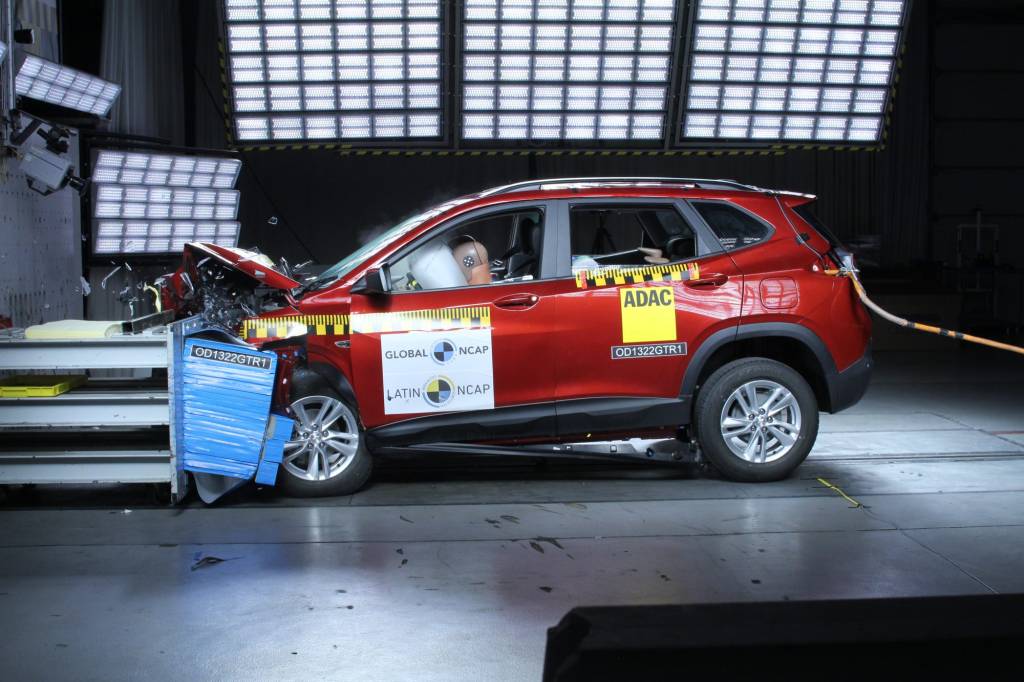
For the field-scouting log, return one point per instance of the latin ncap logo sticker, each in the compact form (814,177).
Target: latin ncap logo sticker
(438,391)
(648,313)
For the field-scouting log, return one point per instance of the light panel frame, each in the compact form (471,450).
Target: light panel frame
(357,107)
(532,66)
(776,112)
(47,81)
(162,203)
(174,170)
(150,202)
(672,138)
(159,238)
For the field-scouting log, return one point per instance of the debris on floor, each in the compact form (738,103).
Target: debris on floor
(201,561)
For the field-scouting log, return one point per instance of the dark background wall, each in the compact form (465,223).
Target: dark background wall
(977,81)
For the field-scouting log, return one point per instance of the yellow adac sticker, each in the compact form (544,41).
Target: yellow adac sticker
(648,314)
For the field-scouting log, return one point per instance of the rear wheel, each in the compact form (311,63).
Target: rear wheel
(326,454)
(757,419)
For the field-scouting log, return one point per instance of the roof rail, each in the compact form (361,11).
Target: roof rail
(702,183)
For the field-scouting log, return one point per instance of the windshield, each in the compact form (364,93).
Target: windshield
(351,261)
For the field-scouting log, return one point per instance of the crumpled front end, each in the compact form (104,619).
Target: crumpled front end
(225,286)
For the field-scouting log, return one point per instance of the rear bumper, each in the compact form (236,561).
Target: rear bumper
(846,388)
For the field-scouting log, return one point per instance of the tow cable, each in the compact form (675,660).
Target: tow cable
(895,319)
(847,270)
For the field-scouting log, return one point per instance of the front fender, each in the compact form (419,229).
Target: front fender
(306,378)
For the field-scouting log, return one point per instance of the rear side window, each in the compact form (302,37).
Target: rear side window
(629,235)
(807,213)
(734,227)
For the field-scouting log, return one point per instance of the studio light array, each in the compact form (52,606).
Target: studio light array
(152,203)
(628,72)
(350,69)
(538,70)
(61,85)
(795,70)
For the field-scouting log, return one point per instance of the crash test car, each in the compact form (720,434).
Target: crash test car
(562,317)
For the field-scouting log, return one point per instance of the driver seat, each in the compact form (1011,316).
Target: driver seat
(524,260)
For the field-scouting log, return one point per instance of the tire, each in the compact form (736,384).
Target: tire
(348,467)
(775,447)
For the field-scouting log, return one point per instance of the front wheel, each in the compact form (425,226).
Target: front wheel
(757,419)
(326,454)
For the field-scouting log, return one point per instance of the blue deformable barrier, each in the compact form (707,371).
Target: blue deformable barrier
(226,396)
(280,431)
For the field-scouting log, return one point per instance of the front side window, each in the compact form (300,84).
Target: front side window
(604,236)
(381,241)
(492,249)
(735,228)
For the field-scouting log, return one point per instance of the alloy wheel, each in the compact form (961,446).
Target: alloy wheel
(324,441)
(760,421)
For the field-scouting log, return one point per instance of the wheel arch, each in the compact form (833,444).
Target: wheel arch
(306,376)
(791,344)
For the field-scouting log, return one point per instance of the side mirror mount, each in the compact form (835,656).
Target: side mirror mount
(376,282)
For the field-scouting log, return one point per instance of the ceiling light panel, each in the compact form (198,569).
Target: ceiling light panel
(346,70)
(151,203)
(43,80)
(142,237)
(566,70)
(136,168)
(791,70)
(3,51)
(133,201)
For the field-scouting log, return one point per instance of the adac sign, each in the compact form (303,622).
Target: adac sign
(648,313)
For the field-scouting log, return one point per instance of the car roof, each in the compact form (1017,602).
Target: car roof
(627,183)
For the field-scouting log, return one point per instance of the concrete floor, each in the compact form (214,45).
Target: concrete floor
(439,571)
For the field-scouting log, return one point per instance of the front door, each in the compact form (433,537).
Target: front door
(447,357)
(648,287)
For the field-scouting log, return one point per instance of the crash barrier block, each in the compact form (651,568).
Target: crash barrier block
(226,395)
(279,430)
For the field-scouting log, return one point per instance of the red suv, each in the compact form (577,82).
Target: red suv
(563,317)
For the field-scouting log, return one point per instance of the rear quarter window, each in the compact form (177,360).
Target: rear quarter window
(806,212)
(734,227)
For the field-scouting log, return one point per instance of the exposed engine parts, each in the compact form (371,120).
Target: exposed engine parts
(221,295)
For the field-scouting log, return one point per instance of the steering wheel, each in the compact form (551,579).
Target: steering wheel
(670,248)
(498,268)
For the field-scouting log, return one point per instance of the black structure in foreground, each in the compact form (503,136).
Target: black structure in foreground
(910,638)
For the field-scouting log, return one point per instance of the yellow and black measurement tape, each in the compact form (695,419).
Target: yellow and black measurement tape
(423,320)
(605,277)
(295,325)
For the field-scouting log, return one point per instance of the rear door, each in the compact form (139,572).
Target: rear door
(461,363)
(629,322)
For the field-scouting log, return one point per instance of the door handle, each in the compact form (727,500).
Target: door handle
(711,279)
(517,301)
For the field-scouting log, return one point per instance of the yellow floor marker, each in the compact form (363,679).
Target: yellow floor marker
(837,489)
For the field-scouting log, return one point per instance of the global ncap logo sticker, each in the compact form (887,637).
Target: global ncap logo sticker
(438,391)
(443,352)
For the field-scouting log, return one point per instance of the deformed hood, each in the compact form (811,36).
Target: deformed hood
(256,265)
